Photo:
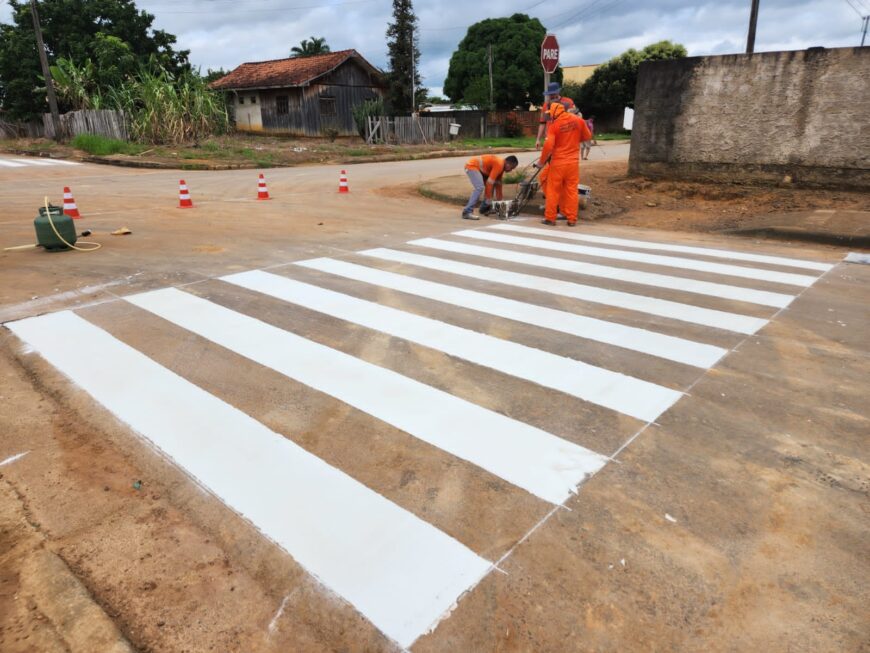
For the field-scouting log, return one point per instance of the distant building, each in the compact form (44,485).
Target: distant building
(578,74)
(303,96)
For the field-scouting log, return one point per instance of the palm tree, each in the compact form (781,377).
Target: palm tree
(310,47)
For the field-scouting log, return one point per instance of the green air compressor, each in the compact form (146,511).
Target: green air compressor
(47,236)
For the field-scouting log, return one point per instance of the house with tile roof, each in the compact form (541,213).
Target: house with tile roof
(302,96)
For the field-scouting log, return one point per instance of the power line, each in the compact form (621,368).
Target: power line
(275,9)
(855,9)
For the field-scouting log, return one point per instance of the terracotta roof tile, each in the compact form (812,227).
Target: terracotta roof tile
(294,71)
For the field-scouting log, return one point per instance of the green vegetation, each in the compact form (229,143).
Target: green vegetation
(362,112)
(520,143)
(517,74)
(114,34)
(612,84)
(404,56)
(613,136)
(310,47)
(102,146)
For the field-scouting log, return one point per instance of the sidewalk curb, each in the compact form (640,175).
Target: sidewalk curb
(796,233)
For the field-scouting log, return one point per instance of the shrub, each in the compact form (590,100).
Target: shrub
(361,113)
(102,146)
(331,133)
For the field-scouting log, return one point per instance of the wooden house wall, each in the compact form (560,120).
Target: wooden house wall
(349,85)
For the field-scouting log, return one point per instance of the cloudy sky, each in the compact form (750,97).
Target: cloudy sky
(224,33)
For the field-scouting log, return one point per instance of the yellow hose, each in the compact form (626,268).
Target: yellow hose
(95,247)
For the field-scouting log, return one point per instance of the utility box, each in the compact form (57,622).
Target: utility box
(46,236)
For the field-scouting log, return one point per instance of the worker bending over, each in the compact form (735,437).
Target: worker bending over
(490,168)
(562,151)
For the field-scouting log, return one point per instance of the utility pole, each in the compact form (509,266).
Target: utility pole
(49,85)
(753,19)
(864,35)
(413,76)
(489,56)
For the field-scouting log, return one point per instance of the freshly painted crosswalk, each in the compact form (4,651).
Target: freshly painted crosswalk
(25,162)
(386,559)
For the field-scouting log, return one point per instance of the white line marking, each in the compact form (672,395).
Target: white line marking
(35,162)
(684,249)
(12,459)
(397,570)
(64,162)
(763,297)
(661,307)
(756,274)
(12,163)
(619,392)
(612,333)
(532,459)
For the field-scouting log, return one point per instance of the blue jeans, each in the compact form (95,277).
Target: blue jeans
(476,179)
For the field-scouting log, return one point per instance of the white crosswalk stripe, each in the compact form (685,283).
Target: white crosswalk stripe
(387,559)
(641,340)
(398,570)
(651,305)
(654,259)
(683,284)
(24,162)
(619,392)
(668,247)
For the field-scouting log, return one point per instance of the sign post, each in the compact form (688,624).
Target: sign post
(549,57)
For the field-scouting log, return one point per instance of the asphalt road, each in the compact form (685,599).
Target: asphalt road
(356,422)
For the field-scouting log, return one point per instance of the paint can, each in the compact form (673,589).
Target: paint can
(585,193)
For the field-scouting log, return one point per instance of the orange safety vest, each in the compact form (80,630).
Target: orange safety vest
(564,136)
(489,165)
(566,102)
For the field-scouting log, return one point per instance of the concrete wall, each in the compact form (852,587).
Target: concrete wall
(756,118)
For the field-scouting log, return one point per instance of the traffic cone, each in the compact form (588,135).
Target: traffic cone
(342,183)
(69,204)
(262,190)
(184,201)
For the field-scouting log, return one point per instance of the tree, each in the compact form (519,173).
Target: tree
(113,34)
(518,78)
(612,85)
(212,75)
(310,47)
(404,56)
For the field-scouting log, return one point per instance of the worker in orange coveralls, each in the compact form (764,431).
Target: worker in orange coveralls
(562,151)
(485,174)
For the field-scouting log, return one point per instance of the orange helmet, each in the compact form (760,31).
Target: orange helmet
(556,110)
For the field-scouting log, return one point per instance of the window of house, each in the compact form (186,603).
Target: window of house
(253,99)
(282,105)
(327,106)
(241,99)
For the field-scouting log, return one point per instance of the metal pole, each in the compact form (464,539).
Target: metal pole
(753,20)
(413,76)
(864,35)
(43,59)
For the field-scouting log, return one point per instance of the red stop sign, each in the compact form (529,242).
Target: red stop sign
(550,54)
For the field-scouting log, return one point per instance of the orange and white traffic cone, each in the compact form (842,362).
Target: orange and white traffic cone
(69,204)
(262,190)
(342,183)
(184,201)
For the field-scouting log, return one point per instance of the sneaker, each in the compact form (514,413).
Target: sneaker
(548,223)
(572,224)
(561,216)
(468,215)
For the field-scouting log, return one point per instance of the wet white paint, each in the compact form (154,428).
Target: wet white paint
(400,572)
(651,305)
(539,462)
(723,291)
(668,247)
(619,392)
(756,274)
(12,163)
(641,340)
(12,459)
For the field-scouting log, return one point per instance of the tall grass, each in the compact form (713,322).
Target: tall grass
(163,109)
(102,146)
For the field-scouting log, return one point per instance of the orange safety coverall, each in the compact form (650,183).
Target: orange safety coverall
(562,149)
(492,169)
(546,118)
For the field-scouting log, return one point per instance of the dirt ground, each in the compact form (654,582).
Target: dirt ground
(736,522)
(677,205)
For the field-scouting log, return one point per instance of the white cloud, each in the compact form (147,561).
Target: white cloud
(225,33)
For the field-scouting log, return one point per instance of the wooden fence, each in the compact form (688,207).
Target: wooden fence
(407,130)
(21,129)
(111,124)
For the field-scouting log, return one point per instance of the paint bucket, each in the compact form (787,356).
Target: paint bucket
(454,128)
(585,193)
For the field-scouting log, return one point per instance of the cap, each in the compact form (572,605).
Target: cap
(553,89)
